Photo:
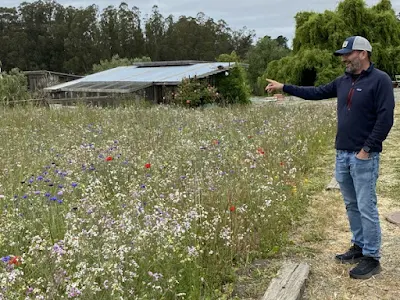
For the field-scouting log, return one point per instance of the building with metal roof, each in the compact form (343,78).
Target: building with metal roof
(152,79)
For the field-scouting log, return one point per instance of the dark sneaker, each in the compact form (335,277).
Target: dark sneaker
(352,256)
(367,267)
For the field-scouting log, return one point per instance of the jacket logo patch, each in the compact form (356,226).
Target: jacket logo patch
(345,44)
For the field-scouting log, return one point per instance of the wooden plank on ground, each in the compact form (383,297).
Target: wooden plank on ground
(394,218)
(289,283)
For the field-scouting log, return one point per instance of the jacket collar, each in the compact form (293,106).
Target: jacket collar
(364,72)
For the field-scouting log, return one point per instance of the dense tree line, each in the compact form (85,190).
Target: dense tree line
(47,35)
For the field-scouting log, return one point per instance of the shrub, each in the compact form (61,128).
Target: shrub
(231,88)
(13,86)
(194,93)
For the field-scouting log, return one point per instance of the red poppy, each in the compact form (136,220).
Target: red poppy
(16,260)
(147,166)
(260,151)
(232,208)
(109,158)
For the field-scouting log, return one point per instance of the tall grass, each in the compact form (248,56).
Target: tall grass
(149,203)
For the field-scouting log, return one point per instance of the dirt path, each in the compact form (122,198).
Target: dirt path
(326,232)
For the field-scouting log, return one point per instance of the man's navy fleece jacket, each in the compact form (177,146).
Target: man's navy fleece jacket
(365,107)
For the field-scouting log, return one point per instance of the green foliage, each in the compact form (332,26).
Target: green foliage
(13,86)
(233,86)
(318,35)
(194,93)
(290,69)
(265,51)
(116,61)
(46,35)
(230,88)
(229,57)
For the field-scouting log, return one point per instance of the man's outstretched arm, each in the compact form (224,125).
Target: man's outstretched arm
(305,92)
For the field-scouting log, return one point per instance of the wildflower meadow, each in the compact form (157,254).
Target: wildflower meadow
(155,202)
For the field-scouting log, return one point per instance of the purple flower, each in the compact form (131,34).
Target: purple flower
(58,249)
(36,192)
(6,259)
(73,292)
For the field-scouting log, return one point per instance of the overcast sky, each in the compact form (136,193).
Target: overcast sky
(266,17)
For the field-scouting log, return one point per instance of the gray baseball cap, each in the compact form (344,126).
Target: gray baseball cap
(354,43)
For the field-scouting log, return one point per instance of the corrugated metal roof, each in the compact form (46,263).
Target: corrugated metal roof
(144,76)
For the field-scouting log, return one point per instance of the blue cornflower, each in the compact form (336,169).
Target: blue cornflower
(92,168)
(101,156)
(143,186)
(25,196)
(39,178)
(36,192)
(60,186)
(6,259)
(47,195)
(60,201)
(53,199)
(74,184)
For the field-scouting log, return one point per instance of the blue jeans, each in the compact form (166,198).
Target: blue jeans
(357,180)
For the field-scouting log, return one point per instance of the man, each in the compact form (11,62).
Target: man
(365,109)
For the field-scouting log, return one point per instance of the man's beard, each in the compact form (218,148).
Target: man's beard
(354,67)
